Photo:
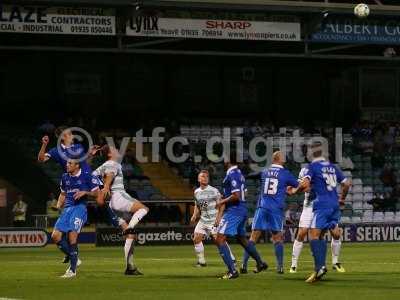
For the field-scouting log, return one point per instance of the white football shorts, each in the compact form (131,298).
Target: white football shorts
(205,229)
(306,217)
(121,201)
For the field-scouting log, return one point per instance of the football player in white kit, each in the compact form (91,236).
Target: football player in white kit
(306,218)
(206,202)
(130,209)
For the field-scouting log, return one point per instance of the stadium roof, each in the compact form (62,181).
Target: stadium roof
(272,5)
(309,12)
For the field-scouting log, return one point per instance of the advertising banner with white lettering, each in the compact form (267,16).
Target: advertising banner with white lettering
(17,238)
(183,235)
(146,236)
(154,26)
(57,20)
(357,233)
(366,31)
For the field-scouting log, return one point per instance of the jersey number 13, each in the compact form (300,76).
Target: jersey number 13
(271,186)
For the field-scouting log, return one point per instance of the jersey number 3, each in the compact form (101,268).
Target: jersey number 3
(271,186)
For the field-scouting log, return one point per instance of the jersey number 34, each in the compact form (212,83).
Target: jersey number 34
(330,180)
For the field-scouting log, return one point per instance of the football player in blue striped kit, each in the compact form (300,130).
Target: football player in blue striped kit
(232,219)
(76,186)
(276,182)
(323,177)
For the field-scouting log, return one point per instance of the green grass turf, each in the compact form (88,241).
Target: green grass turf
(373,272)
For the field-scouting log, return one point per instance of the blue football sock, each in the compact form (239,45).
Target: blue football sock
(73,254)
(245,259)
(279,253)
(226,256)
(63,245)
(252,251)
(112,217)
(315,249)
(323,249)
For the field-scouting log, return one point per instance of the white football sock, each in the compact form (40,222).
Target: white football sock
(199,249)
(230,251)
(297,247)
(335,247)
(128,248)
(137,216)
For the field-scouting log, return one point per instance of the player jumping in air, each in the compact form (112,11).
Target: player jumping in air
(205,209)
(306,218)
(276,181)
(69,149)
(76,186)
(121,202)
(231,219)
(323,177)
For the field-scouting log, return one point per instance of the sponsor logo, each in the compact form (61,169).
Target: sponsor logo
(144,23)
(23,238)
(147,236)
(215,24)
(352,233)
(169,236)
(212,29)
(53,20)
(359,233)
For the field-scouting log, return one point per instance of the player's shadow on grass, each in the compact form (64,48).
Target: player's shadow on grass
(181,276)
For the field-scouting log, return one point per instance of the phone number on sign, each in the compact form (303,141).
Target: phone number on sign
(94,29)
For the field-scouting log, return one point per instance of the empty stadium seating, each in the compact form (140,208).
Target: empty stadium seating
(365,179)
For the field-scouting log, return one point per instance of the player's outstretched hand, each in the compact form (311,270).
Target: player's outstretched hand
(45,139)
(79,195)
(94,149)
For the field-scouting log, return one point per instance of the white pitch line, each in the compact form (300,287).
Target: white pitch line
(302,261)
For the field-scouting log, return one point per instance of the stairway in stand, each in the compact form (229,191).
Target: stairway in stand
(163,177)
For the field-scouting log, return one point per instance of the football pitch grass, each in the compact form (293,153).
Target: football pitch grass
(373,272)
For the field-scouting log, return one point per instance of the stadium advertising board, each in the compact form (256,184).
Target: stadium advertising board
(57,20)
(17,238)
(366,31)
(360,233)
(183,235)
(146,236)
(155,26)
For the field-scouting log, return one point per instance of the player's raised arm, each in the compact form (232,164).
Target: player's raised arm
(42,157)
(92,152)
